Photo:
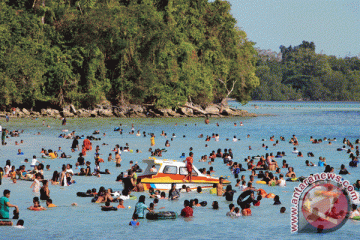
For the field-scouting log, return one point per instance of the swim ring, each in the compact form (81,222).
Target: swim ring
(6,223)
(106,209)
(83,194)
(260,182)
(245,199)
(161,215)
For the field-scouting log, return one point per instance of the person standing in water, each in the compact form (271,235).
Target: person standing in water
(152,140)
(64,121)
(5,205)
(189,162)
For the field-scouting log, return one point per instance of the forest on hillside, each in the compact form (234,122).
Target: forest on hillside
(86,52)
(299,73)
(162,53)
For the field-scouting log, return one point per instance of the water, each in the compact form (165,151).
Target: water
(86,221)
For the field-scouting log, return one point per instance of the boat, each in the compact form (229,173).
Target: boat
(172,171)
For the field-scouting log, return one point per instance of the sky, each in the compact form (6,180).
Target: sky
(333,25)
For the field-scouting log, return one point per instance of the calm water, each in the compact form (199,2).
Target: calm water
(87,221)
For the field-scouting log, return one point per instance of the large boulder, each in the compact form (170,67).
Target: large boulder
(162,112)
(54,113)
(25,111)
(35,114)
(118,113)
(20,114)
(93,113)
(137,108)
(44,112)
(67,113)
(227,112)
(105,113)
(212,109)
(83,113)
(185,111)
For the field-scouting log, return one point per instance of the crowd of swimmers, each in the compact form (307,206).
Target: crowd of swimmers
(266,169)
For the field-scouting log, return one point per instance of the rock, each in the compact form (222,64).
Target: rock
(93,113)
(121,114)
(25,111)
(67,113)
(72,109)
(105,113)
(162,112)
(83,113)
(137,108)
(227,112)
(151,113)
(20,114)
(54,113)
(172,113)
(185,111)
(43,112)
(212,109)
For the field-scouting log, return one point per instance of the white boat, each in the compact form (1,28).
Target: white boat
(172,171)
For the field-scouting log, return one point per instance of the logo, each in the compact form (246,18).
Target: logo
(321,203)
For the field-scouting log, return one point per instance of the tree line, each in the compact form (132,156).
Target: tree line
(299,73)
(87,52)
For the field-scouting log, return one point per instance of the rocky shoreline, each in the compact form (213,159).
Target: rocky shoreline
(132,111)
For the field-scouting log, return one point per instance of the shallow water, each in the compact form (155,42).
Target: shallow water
(303,119)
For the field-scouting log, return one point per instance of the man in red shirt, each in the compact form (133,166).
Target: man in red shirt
(187,210)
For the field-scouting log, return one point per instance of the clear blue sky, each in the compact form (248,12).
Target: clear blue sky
(333,25)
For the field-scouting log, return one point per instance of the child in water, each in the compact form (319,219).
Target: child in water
(134,221)
(121,203)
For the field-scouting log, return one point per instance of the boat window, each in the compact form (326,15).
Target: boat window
(184,171)
(170,170)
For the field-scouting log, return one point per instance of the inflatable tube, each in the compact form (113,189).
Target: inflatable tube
(260,182)
(46,157)
(161,215)
(36,209)
(116,129)
(83,194)
(6,223)
(292,180)
(270,195)
(245,199)
(356,218)
(203,203)
(106,209)
(139,170)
